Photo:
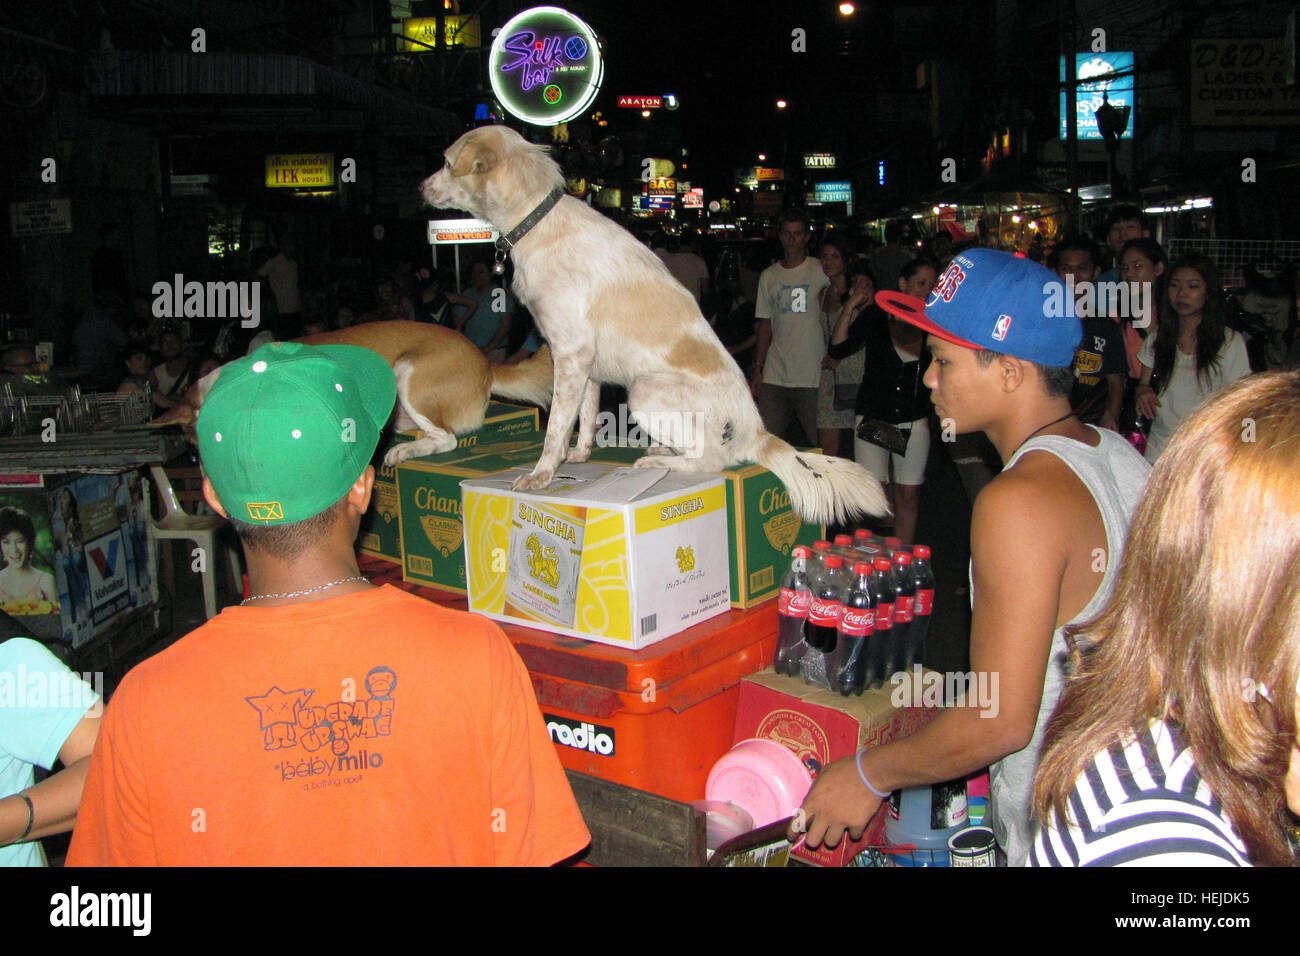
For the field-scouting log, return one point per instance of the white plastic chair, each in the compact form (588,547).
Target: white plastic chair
(175,523)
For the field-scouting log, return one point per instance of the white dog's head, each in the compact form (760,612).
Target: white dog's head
(493,173)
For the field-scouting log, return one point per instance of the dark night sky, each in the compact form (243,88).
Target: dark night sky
(728,62)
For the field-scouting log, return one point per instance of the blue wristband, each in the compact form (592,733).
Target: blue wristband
(865,781)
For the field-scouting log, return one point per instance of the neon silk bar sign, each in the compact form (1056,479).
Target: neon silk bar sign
(546,66)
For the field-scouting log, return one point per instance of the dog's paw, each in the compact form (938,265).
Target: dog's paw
(578,455)
(397,454)
(532,481)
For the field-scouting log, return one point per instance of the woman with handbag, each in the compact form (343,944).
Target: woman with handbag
(838,391)
(893,406)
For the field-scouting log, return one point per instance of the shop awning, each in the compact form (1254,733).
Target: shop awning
(258,82)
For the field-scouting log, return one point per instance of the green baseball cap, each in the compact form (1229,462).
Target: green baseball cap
(286,431)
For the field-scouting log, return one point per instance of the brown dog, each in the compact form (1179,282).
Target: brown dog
(611,312)
(444,383)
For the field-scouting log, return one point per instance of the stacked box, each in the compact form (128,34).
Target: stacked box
(622,556)
(381,528)
(761,530)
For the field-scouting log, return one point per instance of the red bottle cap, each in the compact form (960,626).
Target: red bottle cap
(902,559)
(893,544)
(834,561)
(862,534)
(861,567)
(843,541)
(822,545)
(921,551)
(801,551)
(882,564)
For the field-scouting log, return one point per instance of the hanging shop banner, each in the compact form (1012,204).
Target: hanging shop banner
(451,232)
(299,170)
(1242,82)
(546,66)
(1097,85)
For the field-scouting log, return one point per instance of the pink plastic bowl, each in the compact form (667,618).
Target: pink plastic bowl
(762,778)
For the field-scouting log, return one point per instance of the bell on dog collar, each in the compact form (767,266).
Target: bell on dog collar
(498,267)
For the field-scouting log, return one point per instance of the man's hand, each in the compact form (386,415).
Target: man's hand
(755,381)
(829,363)
(837,802)
(1147,402)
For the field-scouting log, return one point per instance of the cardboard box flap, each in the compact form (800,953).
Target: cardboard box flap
(604,484)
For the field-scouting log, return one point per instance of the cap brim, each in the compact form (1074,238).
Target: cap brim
(912,311)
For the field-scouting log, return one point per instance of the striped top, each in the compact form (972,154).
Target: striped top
(1141,802)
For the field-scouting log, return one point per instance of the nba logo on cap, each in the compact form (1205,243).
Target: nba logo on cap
(1000,330)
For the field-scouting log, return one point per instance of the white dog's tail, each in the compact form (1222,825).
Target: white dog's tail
(822,489)
(529,381)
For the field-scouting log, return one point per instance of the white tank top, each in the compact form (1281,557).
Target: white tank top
(1114,474)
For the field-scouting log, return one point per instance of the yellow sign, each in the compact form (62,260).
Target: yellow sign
(422,32)
(299,170)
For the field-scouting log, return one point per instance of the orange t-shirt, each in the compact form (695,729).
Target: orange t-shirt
(374,728)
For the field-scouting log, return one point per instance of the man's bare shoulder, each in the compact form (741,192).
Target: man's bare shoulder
(1036,499)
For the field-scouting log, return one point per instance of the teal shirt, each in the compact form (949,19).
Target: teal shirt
(41,701)
(485,321)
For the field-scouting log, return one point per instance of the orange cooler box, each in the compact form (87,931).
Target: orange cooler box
(656,719)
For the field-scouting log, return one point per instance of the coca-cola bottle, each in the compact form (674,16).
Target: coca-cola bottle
(923,579)
(892,545)
(882,594)
(848,676)
(904,597)
(827,605)
(865,543)
(792,614)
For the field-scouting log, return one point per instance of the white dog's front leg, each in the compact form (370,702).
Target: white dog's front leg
(570,383)
(586,422)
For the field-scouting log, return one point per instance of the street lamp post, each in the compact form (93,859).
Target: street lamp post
(1111,123)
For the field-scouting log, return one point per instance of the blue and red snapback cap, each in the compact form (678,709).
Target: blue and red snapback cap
(993,300)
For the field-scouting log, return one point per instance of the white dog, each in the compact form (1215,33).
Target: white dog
(611,312)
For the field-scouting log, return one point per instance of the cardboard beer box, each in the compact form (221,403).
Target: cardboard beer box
(622,556)
(429,507)
(381,529)
(762,528)
(820,726)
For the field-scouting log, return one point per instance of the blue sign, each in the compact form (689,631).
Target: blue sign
(1097,84)
(880,172)
(655,203)
(833,192)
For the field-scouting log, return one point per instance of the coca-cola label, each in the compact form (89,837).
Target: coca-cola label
(857,622)
(794,603)
(924,602)
(884,617)
(903,609)
(825,613)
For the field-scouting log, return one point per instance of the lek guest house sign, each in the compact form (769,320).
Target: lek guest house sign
(546,66)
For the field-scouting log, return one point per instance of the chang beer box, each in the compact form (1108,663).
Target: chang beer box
(429,508)
(622,556)
(381,531)
(761,531)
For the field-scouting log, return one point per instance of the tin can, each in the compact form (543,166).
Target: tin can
(973,846)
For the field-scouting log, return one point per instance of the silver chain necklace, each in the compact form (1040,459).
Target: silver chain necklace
(319,587)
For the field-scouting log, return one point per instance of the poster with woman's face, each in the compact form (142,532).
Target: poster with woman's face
(27,581)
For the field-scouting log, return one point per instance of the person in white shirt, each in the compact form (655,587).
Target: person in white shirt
(791,345)
(1191,355)
(281,271)
(687,267)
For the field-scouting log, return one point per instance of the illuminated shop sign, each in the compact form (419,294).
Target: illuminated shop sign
(299,170)
(421,33)
(451,232)
(833,192)
(1097,84)
(641,102)
(545,66)
(818,160)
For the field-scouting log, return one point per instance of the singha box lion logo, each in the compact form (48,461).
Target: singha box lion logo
(542,563)
(685,559)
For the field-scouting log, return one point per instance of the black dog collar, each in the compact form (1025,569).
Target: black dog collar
(507,242)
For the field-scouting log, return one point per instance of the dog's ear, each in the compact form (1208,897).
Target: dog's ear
(475,157)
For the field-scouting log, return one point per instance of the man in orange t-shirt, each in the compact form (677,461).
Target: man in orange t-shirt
(325,721)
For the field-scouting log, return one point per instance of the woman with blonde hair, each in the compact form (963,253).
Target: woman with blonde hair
(1174,743)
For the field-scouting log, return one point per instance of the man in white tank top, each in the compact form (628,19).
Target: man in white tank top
(1047,537)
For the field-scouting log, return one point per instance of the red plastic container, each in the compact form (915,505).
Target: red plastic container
(656,719)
